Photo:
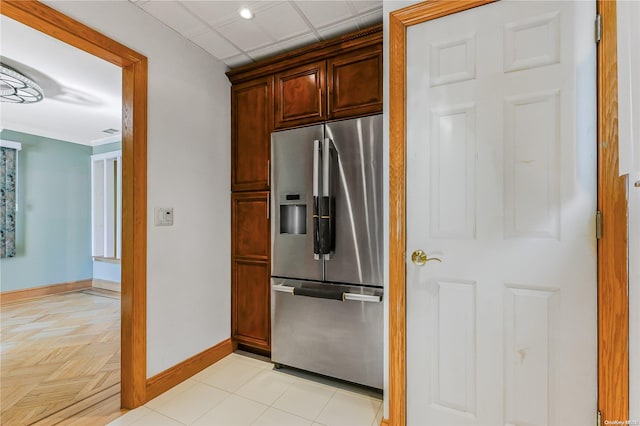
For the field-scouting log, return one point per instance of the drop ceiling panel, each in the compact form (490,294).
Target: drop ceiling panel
(339,28)
(283,46)
(214,44)
(277,26)
(323,13)
(174,15)
(370,18)
(217,12)
(366,6)
(245,34)
(290,23)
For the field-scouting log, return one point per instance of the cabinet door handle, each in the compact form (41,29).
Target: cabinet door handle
(268,206)
(268,173)
(320,101)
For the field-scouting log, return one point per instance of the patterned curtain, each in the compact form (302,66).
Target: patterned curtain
(8,158)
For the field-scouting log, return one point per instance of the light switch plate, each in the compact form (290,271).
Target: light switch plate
(164,216)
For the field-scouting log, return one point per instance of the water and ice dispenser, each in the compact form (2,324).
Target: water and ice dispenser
(293,213)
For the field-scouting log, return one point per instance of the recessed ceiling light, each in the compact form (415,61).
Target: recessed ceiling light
(246,13)
(111,131)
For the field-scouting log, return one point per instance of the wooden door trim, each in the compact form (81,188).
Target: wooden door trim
(613,391)
(134,178)
(613,297)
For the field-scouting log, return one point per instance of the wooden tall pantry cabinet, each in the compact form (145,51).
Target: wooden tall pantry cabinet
(330,80)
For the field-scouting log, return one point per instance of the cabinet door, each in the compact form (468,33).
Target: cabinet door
(250,248)
(251,117)
(250,225)
(250,321)
(300,95)
(355,83)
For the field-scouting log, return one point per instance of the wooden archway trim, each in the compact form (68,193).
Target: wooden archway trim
(613,358)
(134,178)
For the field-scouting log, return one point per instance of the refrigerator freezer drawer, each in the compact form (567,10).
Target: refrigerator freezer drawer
(328,329)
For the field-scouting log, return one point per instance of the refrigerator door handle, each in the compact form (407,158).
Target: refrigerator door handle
(317,154)
(327,204)
(282,288)
(371,298)
(316,167)
(362,297)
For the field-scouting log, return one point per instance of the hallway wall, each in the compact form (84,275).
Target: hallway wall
(188,152)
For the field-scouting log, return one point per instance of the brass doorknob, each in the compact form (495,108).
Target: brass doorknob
(419,258)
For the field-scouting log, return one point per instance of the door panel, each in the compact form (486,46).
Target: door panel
(252,115)
(341,339)
(250,224)
(358,201)
(501,188)
(301,95)
(251,304)
(354,81)
(292,201)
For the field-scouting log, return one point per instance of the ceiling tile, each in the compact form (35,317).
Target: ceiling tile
(236,61)
(284,46)
(173,15)
(217,12)
(339,28)
(366,6)
(323,13)
(371,18)
(245,34)
(214,44)
(281,21)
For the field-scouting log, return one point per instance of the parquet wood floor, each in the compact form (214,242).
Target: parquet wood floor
(60,357)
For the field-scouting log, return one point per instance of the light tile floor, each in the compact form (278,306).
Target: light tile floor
(244,390)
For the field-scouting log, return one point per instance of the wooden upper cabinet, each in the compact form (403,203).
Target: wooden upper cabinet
(300,95)
(251,115)
(355,83)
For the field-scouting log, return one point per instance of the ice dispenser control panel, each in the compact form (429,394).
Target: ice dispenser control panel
(293,213)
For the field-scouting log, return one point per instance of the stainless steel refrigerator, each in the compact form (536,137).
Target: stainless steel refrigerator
(327,265)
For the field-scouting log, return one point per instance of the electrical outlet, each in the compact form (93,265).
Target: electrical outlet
(164,216)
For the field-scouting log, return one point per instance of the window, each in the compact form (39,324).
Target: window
(106,201)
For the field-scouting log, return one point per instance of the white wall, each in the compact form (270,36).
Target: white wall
(106,271)
(188,277)
(387,6)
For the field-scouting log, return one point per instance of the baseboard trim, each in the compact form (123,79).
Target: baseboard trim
(107,285)
(46,290)
(164,381)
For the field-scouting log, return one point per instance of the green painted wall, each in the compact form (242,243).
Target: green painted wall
(108,147)
(53,222)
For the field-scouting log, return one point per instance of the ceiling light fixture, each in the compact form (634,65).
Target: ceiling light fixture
(246,13)
(17,88)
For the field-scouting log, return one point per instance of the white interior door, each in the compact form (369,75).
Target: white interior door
(501,186)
